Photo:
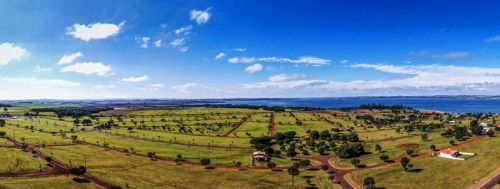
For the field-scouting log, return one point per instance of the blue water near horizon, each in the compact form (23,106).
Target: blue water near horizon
(445,104)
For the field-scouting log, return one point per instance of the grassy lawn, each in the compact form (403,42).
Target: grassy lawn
(45,182)
(256,126)
(438,172)
(16,161)
(33,137)
(217,155)
(138,172)
(185,138)
(396,148)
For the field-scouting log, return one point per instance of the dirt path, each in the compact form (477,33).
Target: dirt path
(59,168)
(491,183)
(237,125)
(273,125)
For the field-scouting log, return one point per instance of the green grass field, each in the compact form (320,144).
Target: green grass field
(436,172)
(138,172)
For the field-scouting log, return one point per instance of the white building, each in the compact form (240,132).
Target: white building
(453,154)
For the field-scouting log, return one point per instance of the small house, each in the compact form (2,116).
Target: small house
(454,154)
(449,153)
(259,156)
(486,130)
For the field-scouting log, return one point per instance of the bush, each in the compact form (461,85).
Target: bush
(205,161)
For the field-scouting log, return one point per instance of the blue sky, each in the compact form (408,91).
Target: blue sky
(223,49)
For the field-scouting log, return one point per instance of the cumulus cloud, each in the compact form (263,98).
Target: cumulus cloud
(178,42)
(69,58)
(302,60)
(10,52)
(153,87)
(94,31)
(200,16)
(254,68)
(145,42)
(220,55)
(135,79)
(89,68)
(186,30)
(158,43)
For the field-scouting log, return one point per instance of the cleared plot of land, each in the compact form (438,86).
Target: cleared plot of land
(45,182)
(256,126)
(379,134)
(33,137)
(286,122)
(138,172)
(217,155)
(397,148)
(13,160)
(435,172)
(184,138)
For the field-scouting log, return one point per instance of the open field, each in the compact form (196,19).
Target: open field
(45,182)
(435,172)
(139,147)
(138,172)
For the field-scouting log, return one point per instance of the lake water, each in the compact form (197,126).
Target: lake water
(448,104)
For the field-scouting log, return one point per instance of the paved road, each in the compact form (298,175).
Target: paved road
(491,183)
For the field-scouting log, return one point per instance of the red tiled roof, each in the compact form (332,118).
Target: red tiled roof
(448,151)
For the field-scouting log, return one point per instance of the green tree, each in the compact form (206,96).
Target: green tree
(355,162)
(378,148)
(369,183)
(205,161)
(384,157)
(2,123)
(405,162)
(293,171)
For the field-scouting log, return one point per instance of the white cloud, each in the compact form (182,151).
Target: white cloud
(200,16)
(302,60)
(254,68)
(242,60)
(178,42)
(10,52)
(220,55)
(69,58)
(416,80)
(135,79)
(184,88)
(184,49)
(284,77)
(153,87)
(94,31)
(292,84)
(158,85)
(89,68)
(145,42)
(42,82)
(158,43)
(344,61)
(453,55)
(495,38)
(186,30)
(41,69)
